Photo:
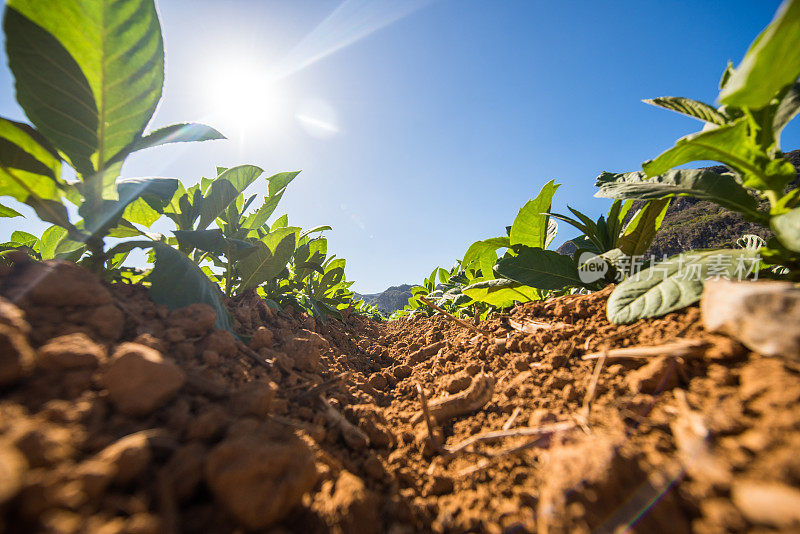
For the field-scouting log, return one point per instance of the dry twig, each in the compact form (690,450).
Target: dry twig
(676,348)
(513,418)
(352,435)
(522,431)
(423,400)
(590,391)
(531,327)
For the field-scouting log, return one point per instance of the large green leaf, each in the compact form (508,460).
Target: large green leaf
(483,255)
(771,63)
(732,146)
(687,106)
(675,283)
(51,86)
(28,167)
(176,281)
(269,257)
(539,268)
(787,229)
(530,226)
(643,227)
(175,133)
(224,190)
(118,49)
(501,292)
(704,185)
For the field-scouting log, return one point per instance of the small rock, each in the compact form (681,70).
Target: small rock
(128,456)
(764,316)
(377,381)
(458,382)
(374,468)
(194,320)
(221,342)
(260,480)
(402,371)
(12,469)
(139,380)
(438,485)
(16,355)
(767,503)
(254,398)
(351,506)
(660,374)
(107,321)
(185,469)
(12,316)
(262,338)
(70,352)
(305,350)
(208,425)
(144,523)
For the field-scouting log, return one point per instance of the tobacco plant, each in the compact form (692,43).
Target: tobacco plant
(757,100)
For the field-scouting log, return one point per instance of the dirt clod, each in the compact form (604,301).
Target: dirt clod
(139,380)
(260,480)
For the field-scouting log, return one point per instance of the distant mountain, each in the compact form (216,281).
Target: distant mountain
(394,298)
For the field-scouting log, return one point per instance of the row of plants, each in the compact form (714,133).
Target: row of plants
(89,75)
(757,100)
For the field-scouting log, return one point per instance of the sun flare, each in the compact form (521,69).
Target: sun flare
(242,96)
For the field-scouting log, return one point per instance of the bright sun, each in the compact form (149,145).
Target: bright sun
(241,95)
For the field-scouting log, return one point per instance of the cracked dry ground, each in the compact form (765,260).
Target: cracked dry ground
(117,415)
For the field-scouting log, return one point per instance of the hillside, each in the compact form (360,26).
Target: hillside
(390,300)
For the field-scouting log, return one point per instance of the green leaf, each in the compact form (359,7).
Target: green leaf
(176,281)
(211,241)
(787,229)
(51,86)
(223,192)
(51,237)
(732,146)
(787,109)
(117,49)
(675,283)
(140,212)
(722,189)
(280,222)
(25,239)
(5,211)
(687,106)
(530,226)
(321,228)
(51,211)
(125,229)
(539,268)
(771,63)
(483,255)
(175,133)
(269,257)
(643,228)
(501,292)
(23,148)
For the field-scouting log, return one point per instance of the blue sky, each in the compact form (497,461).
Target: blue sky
(422,126)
